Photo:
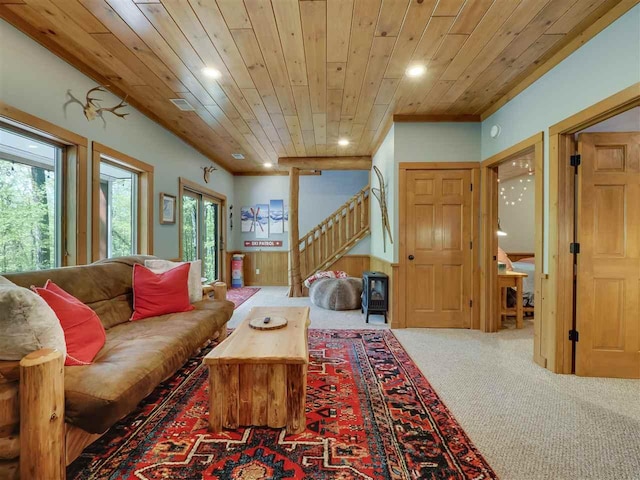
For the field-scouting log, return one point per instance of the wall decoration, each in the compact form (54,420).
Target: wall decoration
(263,243)
(207,173)
(92,108)
(246,219)
(261,227)
(380,194)
(276,216)
(167,209)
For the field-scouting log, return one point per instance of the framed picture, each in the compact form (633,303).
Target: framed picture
(167,208)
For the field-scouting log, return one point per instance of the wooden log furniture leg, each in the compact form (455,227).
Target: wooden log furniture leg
(42,429)
(9,421)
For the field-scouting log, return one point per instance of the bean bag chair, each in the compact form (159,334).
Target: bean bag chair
(336,293)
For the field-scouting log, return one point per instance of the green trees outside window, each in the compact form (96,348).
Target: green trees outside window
(200,232)
(30,206)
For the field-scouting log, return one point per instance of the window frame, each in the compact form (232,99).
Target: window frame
(188,187)
(144,214)
(73,208)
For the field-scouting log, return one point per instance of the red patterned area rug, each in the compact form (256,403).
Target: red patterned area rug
(240,295)
(371,414)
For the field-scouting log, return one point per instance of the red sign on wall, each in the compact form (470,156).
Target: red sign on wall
(263,243)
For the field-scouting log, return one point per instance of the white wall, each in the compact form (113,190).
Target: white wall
(518,220)
(320,195)
(431,142)
(384,160)
(607,64)
(437,142)
(34,80)
(628,121)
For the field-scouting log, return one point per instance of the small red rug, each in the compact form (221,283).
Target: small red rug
(240,295)
(371,414)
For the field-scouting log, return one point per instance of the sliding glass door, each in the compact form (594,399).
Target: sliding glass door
(201,232)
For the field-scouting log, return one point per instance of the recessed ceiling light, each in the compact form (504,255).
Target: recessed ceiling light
(416,71)
(343,142)
(33,146)
(268,165)
(238,156)
(211,72)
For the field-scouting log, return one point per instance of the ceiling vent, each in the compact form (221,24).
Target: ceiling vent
(182,104)
(238,156)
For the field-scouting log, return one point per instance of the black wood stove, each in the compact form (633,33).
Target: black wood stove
(375,294)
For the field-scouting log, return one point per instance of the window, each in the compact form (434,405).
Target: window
(31,201)
(122,213)
(118,210)
(201,228)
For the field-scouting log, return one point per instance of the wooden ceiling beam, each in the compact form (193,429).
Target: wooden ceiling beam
(327,163)
(274,173)
(436,118)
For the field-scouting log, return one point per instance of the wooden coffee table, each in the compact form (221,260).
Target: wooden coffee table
(259,377)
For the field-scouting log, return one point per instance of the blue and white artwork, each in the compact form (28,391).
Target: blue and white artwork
(261,228)
(276,216)
(246,219)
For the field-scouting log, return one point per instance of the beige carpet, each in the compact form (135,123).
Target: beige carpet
(528,422)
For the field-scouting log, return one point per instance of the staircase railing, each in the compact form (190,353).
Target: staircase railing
(336,235)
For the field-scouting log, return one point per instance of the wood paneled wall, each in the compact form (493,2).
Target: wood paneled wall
(354,265)
(274,267)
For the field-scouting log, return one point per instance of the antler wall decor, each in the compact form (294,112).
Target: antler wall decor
(92,108)
(380,194)
(207,173)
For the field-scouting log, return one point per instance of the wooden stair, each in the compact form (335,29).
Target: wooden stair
(335,235)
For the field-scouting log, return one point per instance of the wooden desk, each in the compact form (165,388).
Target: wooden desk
(511,279)
(259,377)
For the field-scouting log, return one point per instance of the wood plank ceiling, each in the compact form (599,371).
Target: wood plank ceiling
(295,76)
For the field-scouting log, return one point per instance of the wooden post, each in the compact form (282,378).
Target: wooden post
(220,291)
(42,416)
(295,281)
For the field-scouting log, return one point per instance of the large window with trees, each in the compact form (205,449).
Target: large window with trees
(118,210)
(202,230)
(31,182)
(122,204)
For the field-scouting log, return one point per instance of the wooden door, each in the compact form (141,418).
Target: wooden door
(438,248)
(608,274)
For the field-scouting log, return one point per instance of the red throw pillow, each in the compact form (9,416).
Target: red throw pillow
(83,330)
(160,293)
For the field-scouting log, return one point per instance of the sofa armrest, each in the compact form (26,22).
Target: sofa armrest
(42,415)
(220,291)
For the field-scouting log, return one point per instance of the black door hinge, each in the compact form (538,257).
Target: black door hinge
(471,303)
(575,160)
(574,335)
(471,187)
(471,245)
(574,248)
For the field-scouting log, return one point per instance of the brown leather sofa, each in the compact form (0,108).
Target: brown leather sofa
(137,356)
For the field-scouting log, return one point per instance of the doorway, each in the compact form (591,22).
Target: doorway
(571,271)
(607,239)
(516,163)
(438,227)
(202,228)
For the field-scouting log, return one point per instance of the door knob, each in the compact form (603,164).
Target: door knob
(411,257)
